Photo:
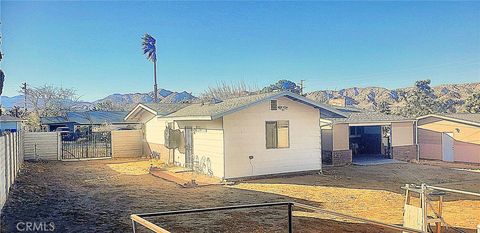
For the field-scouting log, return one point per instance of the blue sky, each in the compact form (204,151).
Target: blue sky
(94,47)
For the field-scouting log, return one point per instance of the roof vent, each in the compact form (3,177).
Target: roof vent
(273,104)
(215,100)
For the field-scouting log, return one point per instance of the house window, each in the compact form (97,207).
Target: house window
(277,134)
(273,104)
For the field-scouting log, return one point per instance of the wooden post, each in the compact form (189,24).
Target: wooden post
(440,210)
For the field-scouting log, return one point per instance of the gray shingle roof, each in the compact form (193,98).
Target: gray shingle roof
(163,109)
(215,110)
(472,117)
(88,117)
(9,118)
(367,116)
(96,117)
(53,120)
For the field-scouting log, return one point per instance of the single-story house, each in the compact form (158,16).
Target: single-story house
(450,137)
(10,124)
(73,120)
(255,135)
(366,134)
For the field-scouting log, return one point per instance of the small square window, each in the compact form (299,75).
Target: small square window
(277,134)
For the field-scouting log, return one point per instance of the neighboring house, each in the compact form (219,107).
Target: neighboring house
(71,120)
(262,134)
(10,124)
(366,135)
(450,137)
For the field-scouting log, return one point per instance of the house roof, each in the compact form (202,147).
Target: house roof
(214,110)
(53,120)
(88,117)
(365,116)
(154,109)
(163,109)
(470,118)
(9,118)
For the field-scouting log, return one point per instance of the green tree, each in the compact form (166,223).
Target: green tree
(384,107)
(106,105)
(472,104)
(283,85)
(421,101)
(150,49)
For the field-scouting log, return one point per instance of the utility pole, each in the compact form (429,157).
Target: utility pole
(301,86)
(24,88)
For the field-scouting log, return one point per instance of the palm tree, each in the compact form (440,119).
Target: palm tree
(148,46)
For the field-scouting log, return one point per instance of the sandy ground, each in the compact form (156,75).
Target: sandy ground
(99,196)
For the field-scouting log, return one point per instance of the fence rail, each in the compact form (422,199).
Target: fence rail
(11,159)
(140,218)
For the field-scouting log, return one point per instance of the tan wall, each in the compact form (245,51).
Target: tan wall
(466,144)
(341,139)
(465,133)
(403,134)
(42,145)
(127,143)
(244,133)
(430,144)
(466,152)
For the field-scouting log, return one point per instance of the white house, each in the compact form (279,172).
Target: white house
(255,135)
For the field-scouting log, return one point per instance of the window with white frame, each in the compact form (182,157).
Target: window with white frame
(277,134)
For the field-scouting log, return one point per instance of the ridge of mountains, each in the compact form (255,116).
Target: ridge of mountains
(368,97)
(361,97)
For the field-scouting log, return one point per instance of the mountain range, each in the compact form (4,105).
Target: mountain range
(369,97)
(362,97)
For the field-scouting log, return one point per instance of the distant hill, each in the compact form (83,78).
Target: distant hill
(369,97)
(9,102)
(165,96)
(366,97)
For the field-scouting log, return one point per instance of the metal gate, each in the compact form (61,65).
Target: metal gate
(90,146)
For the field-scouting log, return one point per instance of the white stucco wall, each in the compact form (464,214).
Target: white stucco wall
(155,130)
(244,134)
(207,144)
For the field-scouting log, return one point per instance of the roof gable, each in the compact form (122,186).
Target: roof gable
(216,110)
(468,118)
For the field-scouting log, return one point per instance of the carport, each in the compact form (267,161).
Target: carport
(367,137)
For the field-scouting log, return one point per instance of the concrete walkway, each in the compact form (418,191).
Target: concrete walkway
(373,160)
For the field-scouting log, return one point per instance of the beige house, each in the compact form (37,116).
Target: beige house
(450,137)
(366,135)
(256,135)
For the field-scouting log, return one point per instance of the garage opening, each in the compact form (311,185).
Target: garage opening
(370,142)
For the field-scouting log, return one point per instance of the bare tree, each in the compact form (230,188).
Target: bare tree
(225,90)
(49,100)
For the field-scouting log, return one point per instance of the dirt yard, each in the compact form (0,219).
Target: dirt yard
(99,196)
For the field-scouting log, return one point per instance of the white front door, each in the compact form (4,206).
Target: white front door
(447,147)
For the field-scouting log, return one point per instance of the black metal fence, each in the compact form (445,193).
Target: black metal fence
(140,218)
(92,145)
